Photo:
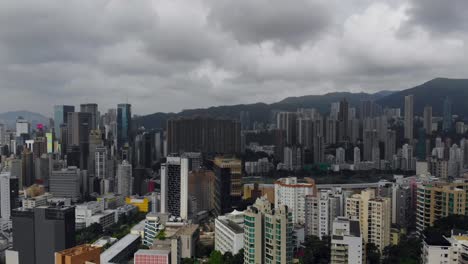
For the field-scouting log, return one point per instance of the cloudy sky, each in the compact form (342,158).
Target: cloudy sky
(169,55)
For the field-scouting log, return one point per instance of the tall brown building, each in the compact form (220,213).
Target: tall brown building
(201,185)
(205,135)
(79,255)
(228,183)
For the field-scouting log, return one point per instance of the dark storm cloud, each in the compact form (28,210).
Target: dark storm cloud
(440,16)
(265,20)
(168,55)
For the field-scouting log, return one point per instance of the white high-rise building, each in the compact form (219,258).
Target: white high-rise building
(340,156)
(22,127)
(320,212)
(174,186)
(5,195)
(292,193)
(229,232)
(124,179)
(409,116)
(346,243)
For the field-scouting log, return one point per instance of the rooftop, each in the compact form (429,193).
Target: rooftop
(78,250)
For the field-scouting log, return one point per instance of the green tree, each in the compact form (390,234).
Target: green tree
(188,261)
(216,257)
(316,251)
(372,253)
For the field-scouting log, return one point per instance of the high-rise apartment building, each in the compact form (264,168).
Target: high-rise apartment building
(61,117)
(268,234)
(124,124)
(174,186)
(374,215)
(124,179)
(371,142)
(438,200)
(343,119)
(409,117)
(40,232)
(93,110)
(346,243)
(447,118)
(287,121)
(427,124)
(292,193)
(8,194)
(204,135)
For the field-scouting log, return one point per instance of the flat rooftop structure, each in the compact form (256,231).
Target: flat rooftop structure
(118,247)
(79,250)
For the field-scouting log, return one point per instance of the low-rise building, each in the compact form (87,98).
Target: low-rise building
(78,255)
(161,256)
(229,233)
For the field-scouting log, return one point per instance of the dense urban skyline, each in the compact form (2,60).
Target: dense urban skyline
(204,52)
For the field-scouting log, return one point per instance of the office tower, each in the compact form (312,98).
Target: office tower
(40,232)
(340,156)
(268,234)
(93,110)
(390,144)
(346,243)
(95,142)
(174,186)
(78,128)
(79,255)
(428,119)
(356,155)
(8,194)
(65,183)
(124,179)
(23,127)
(319,149)
(201,191)
(287,122)
(39,147)
(42,168)
(61,117)
(27,163)
(124,124)
(305,132)
(228,183)
(409,116)
(343,118)
(204,135)
(330,131)
(438,200)
(371,142)
(447,118)
(374,215)
(292,193)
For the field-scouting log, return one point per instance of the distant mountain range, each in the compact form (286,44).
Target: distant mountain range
(9,118)
(430,93)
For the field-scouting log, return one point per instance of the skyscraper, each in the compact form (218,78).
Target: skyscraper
(228,183)
(93,110)
(390,144)
(428,119)
(40,232)
(371,142)
(174,186)
(447,119)
(61,117)
(124,123)
(66,183)
(78,128)
(27,160)
(124,179)
(8,194)
(409,116)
